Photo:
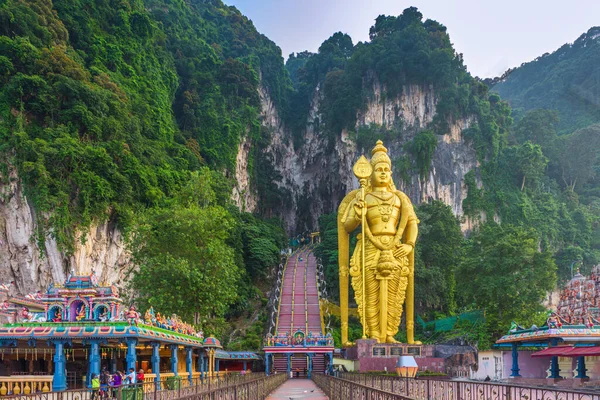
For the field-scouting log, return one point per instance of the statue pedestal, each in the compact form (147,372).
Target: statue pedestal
(373,356)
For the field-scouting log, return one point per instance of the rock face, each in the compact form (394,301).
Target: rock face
(33,268)
(319,172)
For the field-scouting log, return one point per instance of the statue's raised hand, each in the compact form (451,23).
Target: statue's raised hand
(359,205)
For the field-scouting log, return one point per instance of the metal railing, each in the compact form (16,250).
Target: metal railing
(168,389)
(252,390)
(425,389)
(342,389)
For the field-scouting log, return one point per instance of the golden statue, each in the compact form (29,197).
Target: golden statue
(383,260)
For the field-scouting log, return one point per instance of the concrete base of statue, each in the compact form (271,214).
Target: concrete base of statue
(372,356)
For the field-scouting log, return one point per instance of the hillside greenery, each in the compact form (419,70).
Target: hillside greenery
(131,112)
(566,80)
(402,50)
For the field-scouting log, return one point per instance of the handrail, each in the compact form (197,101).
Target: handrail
(167,389)
(421,389)
(25,384)
(294,292)
(256,389)
(281,293)
(341,389)
(305,293)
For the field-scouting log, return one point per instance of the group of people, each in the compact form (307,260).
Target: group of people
(101,383)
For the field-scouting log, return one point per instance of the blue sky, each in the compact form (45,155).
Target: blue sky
(492,35)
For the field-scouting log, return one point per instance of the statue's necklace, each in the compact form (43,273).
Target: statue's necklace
(385,206)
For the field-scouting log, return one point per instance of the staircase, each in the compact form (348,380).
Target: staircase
(299,307)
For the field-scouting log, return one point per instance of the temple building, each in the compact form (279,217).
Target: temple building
(59,339)
(568,344)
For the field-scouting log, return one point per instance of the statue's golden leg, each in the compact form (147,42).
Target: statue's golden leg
(372,305)
(396,296)
(383,308)
(410,302)
(344,304)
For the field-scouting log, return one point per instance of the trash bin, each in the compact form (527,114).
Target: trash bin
(133,392)
(173,382)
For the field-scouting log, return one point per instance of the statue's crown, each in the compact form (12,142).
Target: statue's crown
(379,154)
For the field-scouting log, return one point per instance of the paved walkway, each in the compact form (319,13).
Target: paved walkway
(298,389)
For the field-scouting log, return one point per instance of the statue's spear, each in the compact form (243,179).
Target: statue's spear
(362,170)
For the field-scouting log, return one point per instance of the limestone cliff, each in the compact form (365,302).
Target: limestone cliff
(319,172)
(33,268)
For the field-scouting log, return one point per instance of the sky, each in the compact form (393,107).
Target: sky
(492,35)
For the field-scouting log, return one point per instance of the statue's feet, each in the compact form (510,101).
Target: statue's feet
(414,342)
(390,339)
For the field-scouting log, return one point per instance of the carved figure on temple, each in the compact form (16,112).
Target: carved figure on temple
(34,296)
(28,316)
(382,266)
(554,322)
(5,287)
(149,316)
(80,313)
(5,305)
(94,278)
(132,316)
(200,334)
(57,316)
(103,317)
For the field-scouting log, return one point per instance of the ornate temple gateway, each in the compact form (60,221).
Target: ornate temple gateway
(58,339)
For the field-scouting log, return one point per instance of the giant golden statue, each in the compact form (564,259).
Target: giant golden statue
(382,266)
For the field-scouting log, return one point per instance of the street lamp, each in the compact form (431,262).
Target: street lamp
(406,367)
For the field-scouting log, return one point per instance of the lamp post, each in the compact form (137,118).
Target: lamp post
(406,367)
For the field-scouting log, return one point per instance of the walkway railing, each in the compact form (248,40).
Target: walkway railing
(168,389)
(252,390)
(341,389)
(424,389)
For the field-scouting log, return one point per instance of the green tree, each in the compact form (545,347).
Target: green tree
(422,148)
(537,126)
(439,251)
(183,262)
(578,155)
(531,162)
(505,274)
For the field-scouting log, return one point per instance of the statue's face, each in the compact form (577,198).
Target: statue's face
(382,175)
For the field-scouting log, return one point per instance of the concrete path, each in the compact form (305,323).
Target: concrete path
(298,389)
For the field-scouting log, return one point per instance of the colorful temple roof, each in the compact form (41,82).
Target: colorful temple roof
(82,308)
(212,342)
(236,355)
(566,334)
(105,330)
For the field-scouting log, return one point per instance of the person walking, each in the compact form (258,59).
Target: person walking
(140,377)
(95,386)
(130,378)
(116,382)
